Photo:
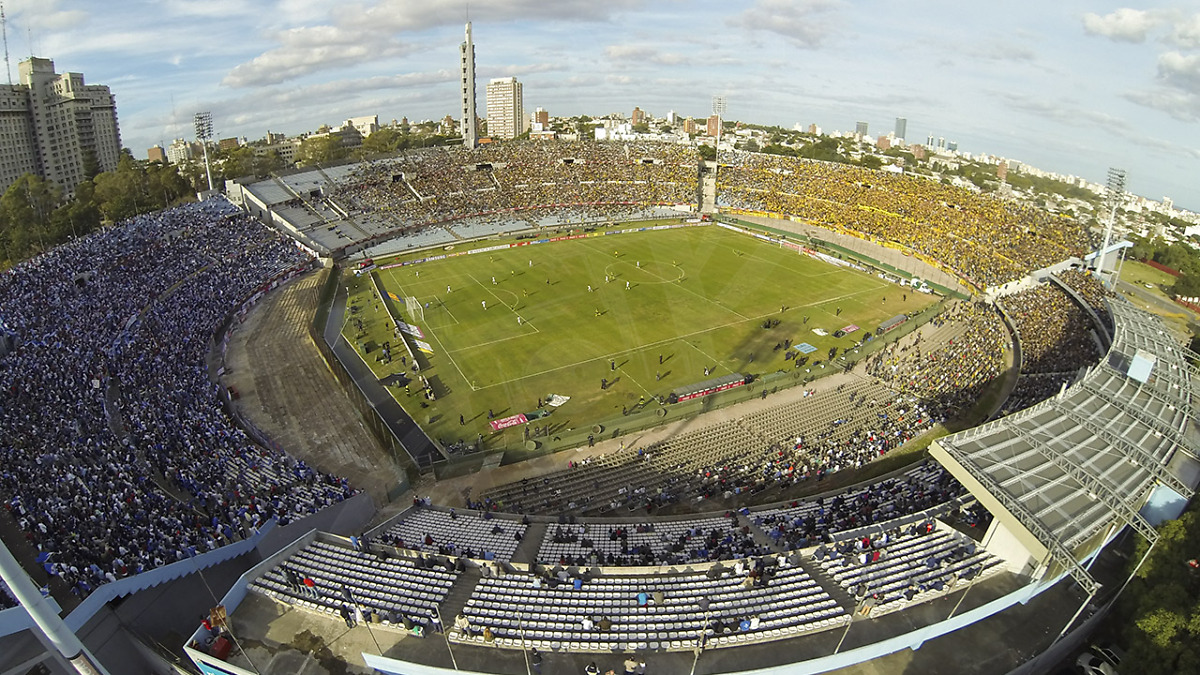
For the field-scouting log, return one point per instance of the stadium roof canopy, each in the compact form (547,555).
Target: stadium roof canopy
(1061,473)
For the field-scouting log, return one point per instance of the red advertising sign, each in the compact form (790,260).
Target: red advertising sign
(507,422)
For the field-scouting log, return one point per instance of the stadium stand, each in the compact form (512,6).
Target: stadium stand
(389,590)
(661,611)
(983,239)
(771,450)
(475,535)
(117,455)
(899,567)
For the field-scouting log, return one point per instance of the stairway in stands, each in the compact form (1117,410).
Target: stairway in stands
(527,550)
(459,593)
(828,584)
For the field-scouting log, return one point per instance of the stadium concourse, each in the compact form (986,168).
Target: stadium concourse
(124,477)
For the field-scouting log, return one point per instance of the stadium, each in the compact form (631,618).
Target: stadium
(933,483)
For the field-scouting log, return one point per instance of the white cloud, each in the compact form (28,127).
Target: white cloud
(642,54)
(360,33)
(804,23)
(1180,105)
(1186,32)
(306,50)
(1180,70)
(44,14)
(1122,25)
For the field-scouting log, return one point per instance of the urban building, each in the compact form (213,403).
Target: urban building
(814,129)
(929,143)
(941,143)
(638,116)
(901,128)
(505,109)
(228,143)
(470,128)
(541,119)
(181,150)
(54,126)
(714,125)
(689,126)
(860,129)
(884,143)
(952,146)
(157,154)
(365,125)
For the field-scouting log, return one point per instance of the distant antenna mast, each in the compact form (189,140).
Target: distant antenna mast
(4,29)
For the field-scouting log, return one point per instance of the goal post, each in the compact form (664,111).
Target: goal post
(413,308)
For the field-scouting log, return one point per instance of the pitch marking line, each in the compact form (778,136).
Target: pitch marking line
(708,300)
(512,308)
(433,334)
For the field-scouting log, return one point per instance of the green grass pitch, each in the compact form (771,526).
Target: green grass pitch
(559,315)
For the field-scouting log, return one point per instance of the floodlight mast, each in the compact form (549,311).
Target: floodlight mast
(1115,193)
(204,131)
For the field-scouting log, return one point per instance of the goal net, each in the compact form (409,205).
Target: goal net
(413,308)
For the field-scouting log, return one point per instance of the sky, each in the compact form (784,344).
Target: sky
(1066,86)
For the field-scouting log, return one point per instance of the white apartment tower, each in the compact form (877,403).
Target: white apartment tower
(470,128)
(50,123)
(505,109)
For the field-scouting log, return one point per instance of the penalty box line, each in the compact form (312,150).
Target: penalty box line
(433,334)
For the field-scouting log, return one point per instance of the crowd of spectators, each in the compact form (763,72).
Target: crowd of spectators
(804,524)
(951,373)
(985,240)
(1056,337)
(115,455)
(1055,333)
(1091,290)
(504,181)
(652,544)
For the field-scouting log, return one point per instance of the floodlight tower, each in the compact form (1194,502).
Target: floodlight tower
(1114,194)
(204,131)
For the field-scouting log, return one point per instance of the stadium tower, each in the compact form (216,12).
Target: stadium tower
(470,129)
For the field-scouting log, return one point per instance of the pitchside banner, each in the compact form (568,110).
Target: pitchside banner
(713,390)
(507,422)
(410,329)
(423,346)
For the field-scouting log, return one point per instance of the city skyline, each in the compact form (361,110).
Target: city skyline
(1072,89)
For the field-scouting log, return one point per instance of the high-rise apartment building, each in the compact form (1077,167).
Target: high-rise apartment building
(53,125)
(714,125)
(638,116)
(505,108)
(901,127)
(860,129)
(470,128)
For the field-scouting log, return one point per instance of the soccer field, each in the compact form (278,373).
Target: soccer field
(612,321)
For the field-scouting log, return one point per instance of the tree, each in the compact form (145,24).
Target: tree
(1158,616)
(320,150)
(707,152)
